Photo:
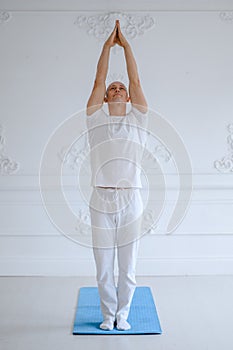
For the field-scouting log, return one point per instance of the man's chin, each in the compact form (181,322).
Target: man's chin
(119,100)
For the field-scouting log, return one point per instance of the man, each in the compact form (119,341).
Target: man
(116,141)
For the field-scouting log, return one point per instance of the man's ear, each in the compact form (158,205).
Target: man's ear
(105,99)
(128,99)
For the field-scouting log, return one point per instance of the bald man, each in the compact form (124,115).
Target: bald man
(116,141)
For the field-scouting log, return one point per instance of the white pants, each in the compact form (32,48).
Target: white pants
(116,224)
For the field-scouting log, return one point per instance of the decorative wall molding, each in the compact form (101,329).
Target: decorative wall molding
(7,166)
(77,154)
(156,152)
(83,219)
(226,17)
(5,16)
(100,26)
(225,165)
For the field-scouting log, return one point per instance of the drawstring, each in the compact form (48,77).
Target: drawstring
(115,193)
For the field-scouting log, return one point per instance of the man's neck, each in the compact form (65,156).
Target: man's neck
(117,109)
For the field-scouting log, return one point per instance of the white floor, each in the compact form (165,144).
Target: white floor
(38,313)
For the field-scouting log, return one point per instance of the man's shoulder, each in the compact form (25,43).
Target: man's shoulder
(138,114)
(96,119)
(93,112)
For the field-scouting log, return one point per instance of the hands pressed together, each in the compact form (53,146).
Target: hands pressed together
(97,96)
(116,37)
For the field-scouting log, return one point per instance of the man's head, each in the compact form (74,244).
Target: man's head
(116,92)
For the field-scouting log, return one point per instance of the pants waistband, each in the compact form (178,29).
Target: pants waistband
(116,188)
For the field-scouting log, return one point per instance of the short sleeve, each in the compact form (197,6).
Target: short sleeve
(141,118)
(94,118)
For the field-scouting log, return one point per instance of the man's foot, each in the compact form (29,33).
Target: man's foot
(107,325)
(123,325)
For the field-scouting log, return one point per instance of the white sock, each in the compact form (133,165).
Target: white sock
(123,325)
(107,325)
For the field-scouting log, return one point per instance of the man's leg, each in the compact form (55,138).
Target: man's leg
(128,243)
(127,258)
(104,259)
(103,239)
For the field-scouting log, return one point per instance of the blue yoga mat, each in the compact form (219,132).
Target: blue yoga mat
(143,316)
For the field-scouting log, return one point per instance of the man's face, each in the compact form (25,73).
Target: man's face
(117,92)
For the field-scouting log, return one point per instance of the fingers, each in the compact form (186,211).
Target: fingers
(119,32)
(116,37)
(114,30)
(118,25)
(112,36)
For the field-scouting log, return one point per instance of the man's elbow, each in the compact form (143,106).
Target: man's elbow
(135,83)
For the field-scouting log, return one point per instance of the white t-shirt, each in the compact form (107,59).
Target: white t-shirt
(116,148)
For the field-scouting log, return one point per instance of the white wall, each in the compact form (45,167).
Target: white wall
(48,64)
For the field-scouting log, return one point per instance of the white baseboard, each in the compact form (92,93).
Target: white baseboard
(56,266)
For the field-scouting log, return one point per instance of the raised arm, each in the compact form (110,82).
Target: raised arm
(135,90)
(96,98)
